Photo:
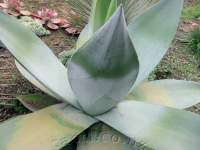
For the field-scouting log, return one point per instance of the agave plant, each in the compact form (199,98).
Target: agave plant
(103,82)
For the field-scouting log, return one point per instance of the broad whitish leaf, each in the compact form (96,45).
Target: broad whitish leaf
(152,33)
(157,127)
(84,36)
(98,78)
(173,93)
(38,60)
(48,129)
(33,80)
(35,102)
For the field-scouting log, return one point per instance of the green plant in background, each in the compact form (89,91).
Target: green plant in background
(162,71)
(65,56)
(18,107)
(34,25)
(104,81)
(191,12)
(195,41)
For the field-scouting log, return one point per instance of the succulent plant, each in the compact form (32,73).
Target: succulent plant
(52,21)
(14,8)
(34,25)
(104,81)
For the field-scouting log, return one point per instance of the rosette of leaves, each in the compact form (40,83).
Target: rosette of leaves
(14,8)
(34,25)
(103,82)
(48,15)
(50,19)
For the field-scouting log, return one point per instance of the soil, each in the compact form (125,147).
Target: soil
(12,83)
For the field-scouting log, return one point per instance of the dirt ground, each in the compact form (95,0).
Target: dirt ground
(12,83)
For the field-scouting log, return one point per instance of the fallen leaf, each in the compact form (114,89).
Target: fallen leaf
(25,13)
(13,13)
(189,26)
(71,30)
(52,26)
(66,25)
(35,15)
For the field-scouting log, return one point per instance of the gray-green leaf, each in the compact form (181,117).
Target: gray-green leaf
(105,68)
(152,33)
(35,102)
(160,128)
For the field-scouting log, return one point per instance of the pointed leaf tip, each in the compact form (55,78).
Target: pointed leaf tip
(102,71)
(151,36)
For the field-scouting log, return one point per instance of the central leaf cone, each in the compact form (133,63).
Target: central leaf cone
(104,69)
